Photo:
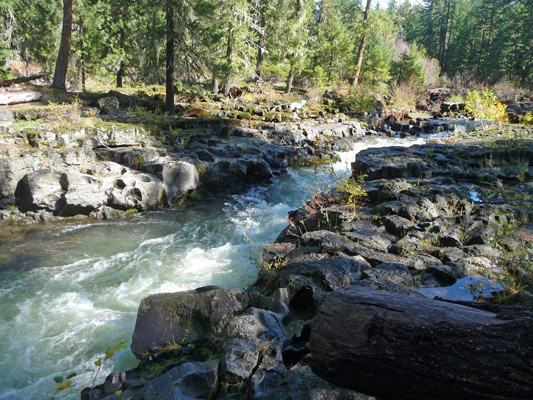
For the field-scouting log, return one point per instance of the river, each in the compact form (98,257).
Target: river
(68,291)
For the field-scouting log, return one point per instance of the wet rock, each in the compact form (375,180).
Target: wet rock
(183,317)
(397,274)
(445,275)
(192,380)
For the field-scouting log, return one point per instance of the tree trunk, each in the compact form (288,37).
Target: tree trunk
(289,80)
(362,45)
(169,101)
(229,59)
(120,75)
(260,44)
(214,82)
(60,74)
(406,347)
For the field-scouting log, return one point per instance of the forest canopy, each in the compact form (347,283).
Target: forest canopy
(311,43)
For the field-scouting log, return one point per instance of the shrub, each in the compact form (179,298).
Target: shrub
(528,118)
(352,190)
(485,105)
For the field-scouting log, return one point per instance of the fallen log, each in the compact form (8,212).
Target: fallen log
(19,95)
(10,82)
(404,347)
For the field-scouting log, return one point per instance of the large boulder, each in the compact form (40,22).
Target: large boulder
(83,194)
(183,317)
(137,190)
(40,190)
(179,178)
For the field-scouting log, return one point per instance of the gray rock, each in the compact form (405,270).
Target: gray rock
(137,190)
(83,195)
(179,178)
(28,114)
(40,190)
(276,251)
(189,381)
(446,275)
(397,225)
(108,105)
(6,117)
(300,383)
(255,326)
(397,274)
(239,360)
(328,242)
(183,317)
(333,272)
(451,254)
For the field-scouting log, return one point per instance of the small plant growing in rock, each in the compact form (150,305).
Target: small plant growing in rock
(352,189)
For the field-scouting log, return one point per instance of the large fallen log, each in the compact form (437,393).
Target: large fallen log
(19,95)
(10,82)
(405,347)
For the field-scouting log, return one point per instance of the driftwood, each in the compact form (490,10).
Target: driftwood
(405,347)
(20,80)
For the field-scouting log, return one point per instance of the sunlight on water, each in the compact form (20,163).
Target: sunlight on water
(69,291)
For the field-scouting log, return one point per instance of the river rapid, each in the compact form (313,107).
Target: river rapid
(68,291)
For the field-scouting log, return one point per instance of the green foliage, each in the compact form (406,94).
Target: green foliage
(360,104)
(319,79)
(528,118)
(484,105)
(352,190)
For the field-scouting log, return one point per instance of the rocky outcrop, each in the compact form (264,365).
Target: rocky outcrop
(183,318)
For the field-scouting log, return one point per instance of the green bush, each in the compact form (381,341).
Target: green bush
(485,105)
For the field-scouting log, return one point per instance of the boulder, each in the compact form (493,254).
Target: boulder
(6,117)
(137,190)
(40,190)
(83,194)
(188,381)
(179,178)
(108,105)
(239,360)
(183,317)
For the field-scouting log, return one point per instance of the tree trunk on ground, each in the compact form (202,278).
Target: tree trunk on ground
(289,80)
(60,74)
(169,101)
(362,45)
(405,347)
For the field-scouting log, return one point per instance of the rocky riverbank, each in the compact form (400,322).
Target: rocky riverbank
(428,220)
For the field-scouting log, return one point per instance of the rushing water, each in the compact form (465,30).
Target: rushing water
(69,291)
